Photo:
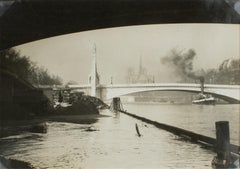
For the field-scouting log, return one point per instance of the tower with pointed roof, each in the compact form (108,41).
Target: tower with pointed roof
(94,81)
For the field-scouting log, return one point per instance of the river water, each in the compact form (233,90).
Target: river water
(197,118)
(113,142)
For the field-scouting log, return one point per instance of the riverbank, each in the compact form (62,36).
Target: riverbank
(18,127)
(80,111)
(12,163)
(15,127)
(79,119)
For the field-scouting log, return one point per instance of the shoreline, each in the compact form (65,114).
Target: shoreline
(6,163)
(16,127)
(79,119)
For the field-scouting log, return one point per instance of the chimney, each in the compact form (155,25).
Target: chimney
(202,84)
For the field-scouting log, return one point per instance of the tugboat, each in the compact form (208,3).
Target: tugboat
(202,98)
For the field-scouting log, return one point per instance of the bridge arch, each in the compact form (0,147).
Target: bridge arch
(225,92)
(223,97)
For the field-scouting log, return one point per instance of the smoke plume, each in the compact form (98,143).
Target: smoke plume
(182,63)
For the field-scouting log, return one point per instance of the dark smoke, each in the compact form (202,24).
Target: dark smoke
(182,63)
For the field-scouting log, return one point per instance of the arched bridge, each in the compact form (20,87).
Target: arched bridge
(229,93)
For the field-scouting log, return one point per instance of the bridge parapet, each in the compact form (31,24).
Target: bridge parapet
(170,84)
(222,86)
(150,85)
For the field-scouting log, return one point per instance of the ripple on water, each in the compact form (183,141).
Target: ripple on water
(68,145)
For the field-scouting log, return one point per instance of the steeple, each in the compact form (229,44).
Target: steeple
(140,66)
(94,58)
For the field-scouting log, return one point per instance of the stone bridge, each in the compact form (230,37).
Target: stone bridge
(229,93)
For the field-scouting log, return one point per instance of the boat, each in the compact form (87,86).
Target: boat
(204,99)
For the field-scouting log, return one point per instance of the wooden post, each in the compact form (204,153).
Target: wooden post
(116,104)
(202,84)
(222,160)
(223,140)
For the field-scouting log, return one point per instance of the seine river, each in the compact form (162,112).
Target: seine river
(113,142)
(197,118)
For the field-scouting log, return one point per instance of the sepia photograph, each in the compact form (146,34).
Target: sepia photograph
(119,84)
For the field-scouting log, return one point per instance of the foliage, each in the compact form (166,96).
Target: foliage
(41,76)
(182,63)
(12,61)
(227,73)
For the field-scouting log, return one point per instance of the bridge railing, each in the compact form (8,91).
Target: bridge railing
(170,85)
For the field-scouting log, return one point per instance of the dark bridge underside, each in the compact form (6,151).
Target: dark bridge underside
(29,20)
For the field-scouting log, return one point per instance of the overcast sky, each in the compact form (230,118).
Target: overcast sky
(70,56)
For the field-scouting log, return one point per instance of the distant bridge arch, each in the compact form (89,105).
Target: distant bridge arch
(229,93)
(223,97)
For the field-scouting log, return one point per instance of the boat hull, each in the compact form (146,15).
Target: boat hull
(204,101)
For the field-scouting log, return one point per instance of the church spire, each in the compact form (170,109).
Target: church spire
(140,66)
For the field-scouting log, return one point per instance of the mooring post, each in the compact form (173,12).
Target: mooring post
(116,104)
(223,158)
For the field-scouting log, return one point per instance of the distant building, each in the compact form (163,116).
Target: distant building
(141,76)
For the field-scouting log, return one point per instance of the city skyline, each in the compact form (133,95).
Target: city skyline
(70,56)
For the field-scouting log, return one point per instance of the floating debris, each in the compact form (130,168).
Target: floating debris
(137,130)
(90,129)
